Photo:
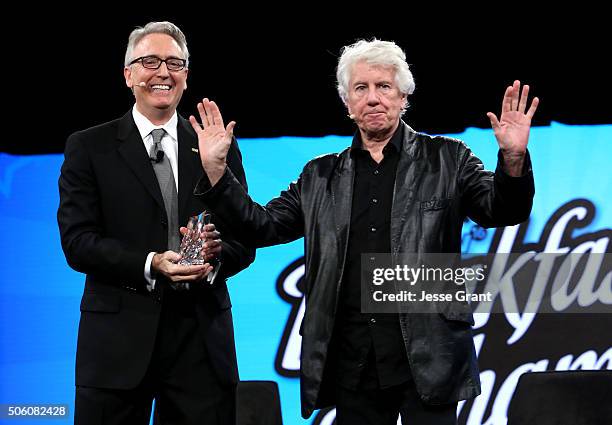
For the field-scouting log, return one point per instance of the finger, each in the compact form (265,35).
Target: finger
(189,278)
(211,245)
(208,271)
(523,101)
(179,270)
(208,251)
(210,257)
(209,227)
(195,277)
(207,256)
(494,121)
(532,109)
(216,113)
(209,112)
(507,101)
(195,124)
(516,87)
(211,235)
(230,129)
(202,112)
(212,242)
(189,270)
(213,252)
(171,256)
(183,230)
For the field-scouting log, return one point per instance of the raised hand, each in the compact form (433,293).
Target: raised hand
(512,128)
(214,139)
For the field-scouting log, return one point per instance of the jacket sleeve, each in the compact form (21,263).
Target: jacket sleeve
(494,199)
(279,221)
(235,255)
(79,217)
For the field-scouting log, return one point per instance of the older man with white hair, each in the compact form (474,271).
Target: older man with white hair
(394,190)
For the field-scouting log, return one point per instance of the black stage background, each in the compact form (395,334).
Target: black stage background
(274,73)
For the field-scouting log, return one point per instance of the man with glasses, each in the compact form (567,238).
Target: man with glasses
(150,328)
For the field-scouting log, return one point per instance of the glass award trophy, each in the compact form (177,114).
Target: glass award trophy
(193,242)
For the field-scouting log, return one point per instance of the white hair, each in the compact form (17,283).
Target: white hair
(163,27)
(374,52)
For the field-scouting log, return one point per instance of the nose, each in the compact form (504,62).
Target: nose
(372,98)
(162,71)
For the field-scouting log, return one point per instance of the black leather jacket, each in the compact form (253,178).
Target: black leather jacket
(438,183)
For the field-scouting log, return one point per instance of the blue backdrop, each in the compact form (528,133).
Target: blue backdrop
(40,294)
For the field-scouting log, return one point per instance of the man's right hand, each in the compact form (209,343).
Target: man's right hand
(214,139)
(166,264)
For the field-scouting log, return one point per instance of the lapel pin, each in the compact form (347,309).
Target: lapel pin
(194,150)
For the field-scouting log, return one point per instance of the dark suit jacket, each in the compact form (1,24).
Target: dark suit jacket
(111,215)
(438,182)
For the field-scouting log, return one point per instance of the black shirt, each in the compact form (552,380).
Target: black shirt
(371,351)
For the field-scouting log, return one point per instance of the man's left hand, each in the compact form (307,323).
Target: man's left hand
(212,246)
(512,128)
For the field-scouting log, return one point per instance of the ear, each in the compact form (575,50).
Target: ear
(127,74)
(186,75)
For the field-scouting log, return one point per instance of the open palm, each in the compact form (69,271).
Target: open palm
(512,128)
(214,139)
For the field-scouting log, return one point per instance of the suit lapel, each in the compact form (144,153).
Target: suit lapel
(408,175)
(133,151)
(189,166)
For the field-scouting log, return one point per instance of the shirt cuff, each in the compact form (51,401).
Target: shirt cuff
(213,275)
(147,272)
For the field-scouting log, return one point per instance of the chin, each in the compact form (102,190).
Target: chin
(163,105)
(377,128)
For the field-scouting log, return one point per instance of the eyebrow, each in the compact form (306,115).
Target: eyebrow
(157,56)
(377,82)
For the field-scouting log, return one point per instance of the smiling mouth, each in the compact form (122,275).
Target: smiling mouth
(160,87)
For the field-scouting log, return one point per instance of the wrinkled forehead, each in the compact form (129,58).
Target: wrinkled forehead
(366,71)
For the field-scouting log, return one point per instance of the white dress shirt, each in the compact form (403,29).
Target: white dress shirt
(170,147)
(169,144)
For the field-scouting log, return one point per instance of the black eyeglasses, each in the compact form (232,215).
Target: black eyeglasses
(153,62)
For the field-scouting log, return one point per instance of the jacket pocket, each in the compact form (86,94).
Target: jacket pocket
(100,303)
(435,204)
(456,311)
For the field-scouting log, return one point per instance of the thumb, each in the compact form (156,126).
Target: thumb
(230,129)
(172,256)
(194,123)
(494,122)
